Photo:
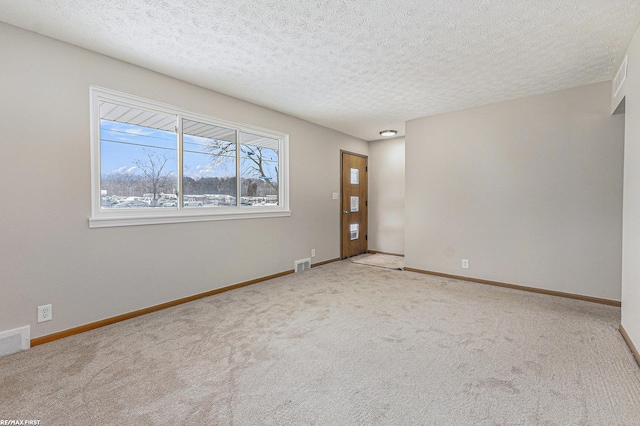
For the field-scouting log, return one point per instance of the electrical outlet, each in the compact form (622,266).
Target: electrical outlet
(313,252)
(465,263)
(45,313)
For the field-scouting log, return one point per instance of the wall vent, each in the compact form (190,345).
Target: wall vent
(16,340)
(302,265)
(621,76)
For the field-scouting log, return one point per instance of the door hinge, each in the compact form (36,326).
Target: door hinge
(366,203)
(366,169)
(366,238)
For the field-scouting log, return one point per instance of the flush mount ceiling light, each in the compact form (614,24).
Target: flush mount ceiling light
(388,133)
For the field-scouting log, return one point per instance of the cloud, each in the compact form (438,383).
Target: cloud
(141,131)
(125,170)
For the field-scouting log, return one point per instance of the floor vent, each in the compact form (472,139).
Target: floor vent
(621,76)
(302,265)
(12,341)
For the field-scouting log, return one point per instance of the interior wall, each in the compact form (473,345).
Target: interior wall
(386,198)
(631,213)
(529,191)
(48,252)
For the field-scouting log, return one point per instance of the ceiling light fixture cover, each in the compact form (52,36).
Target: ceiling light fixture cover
(388,133)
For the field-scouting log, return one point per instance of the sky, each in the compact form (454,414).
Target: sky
(122,144)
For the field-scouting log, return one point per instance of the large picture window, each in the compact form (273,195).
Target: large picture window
(153,163)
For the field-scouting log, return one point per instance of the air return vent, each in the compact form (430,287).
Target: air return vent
(620,77)
(12,341)
(302,265)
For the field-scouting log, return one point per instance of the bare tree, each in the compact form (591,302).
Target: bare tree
(121,184)
(223,151)
(153,169)
(257,162)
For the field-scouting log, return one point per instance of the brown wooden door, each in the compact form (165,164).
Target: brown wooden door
(353,204)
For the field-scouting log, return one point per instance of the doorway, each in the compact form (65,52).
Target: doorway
(354,187)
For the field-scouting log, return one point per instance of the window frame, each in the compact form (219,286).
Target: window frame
(101,217)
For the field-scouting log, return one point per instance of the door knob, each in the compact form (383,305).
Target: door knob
(345,212)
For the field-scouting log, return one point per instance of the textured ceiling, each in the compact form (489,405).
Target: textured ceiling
(355,66)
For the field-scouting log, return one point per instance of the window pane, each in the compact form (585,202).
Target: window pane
(355,204)
(209,158)
(355,180)
(259,170)
(137,158)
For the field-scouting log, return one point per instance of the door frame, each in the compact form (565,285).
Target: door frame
(343,207)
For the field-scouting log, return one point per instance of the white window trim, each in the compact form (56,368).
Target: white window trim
(101,218)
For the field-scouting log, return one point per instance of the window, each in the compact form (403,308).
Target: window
(153,163)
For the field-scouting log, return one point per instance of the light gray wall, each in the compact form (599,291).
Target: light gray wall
(631,214)
(530,191)
(49,254)
(386,195)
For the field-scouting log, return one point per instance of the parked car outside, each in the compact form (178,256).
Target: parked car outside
(132,204)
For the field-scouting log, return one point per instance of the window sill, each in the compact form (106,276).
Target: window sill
(134,220)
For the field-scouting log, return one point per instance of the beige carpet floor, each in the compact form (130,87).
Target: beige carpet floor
(380,260)
(341,344)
